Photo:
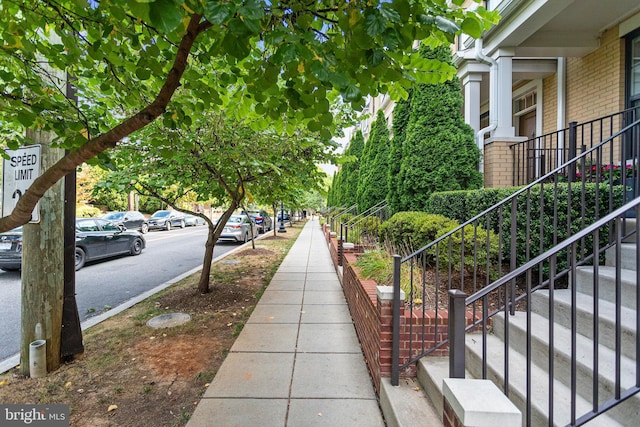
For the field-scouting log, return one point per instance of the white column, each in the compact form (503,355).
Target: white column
(471,85)
(504,104)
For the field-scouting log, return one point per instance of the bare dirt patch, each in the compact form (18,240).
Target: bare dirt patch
(134,375)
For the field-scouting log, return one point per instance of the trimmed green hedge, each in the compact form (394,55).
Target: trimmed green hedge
(464,205)
(410,231)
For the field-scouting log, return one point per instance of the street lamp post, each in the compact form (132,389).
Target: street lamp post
(281,228)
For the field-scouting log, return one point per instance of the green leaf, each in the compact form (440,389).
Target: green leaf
(219,13)
(165,15)
(472,26)
(314,126)
(320,71)
(390,14)
(351,93)
(374,57)
(26,118)
(446,25)
(143,73)
(375,24)
(252,9)
(236,47)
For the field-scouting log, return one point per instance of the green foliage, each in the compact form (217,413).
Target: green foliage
(400,121)
(344,188)
(410,231)
(439,152)
(87,211)
(374,167)
(542,234)
(378,265)
(364,231)
(276,64)
(110,198)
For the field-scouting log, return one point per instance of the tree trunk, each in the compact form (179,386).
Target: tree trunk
(212,238)
(43,267)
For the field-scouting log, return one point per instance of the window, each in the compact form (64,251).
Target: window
(633,69)
(525,102)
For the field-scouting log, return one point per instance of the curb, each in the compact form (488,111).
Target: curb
(13,361)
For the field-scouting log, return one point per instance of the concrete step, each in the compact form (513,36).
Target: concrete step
(540,400)
(628,256)
(607,284)
(584,317)
(562,356)
(430,373)
(407,405)
(629,225)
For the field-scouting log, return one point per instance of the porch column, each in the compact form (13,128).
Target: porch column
(504,101)
(471,85)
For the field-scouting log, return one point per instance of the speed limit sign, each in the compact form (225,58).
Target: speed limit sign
(18,173)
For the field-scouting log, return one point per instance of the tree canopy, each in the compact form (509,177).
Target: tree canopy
(221,160)
(277,63)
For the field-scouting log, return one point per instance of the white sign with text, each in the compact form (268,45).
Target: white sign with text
(18,173)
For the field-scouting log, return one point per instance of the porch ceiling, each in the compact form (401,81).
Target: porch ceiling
(555,28)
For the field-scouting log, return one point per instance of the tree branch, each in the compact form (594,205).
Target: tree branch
(22,212)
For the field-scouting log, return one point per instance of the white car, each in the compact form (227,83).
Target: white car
(239,229)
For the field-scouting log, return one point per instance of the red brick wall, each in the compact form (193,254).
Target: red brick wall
(373,322)
(449,418)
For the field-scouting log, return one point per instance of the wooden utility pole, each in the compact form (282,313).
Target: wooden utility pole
(43,265)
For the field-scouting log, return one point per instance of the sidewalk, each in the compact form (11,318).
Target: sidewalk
(297,362)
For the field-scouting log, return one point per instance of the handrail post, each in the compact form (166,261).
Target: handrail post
(395,337)
(457,325)
(514,250)
(573,150)
(340,246)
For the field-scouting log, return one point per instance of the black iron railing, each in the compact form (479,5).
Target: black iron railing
(362,230)
(339,214)
(487,248)
(537,156)
(600,372)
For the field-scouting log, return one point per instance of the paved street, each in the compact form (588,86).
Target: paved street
(103,285)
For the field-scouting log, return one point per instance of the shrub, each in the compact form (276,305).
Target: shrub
(414,230)
(378,265)
(87,211)
(533,235)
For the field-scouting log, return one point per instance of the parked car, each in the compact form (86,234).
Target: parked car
(262,219)
(11,249)
(193,221)
(238,228)
(132,220)
(286,216)
(98,238)
(166,220)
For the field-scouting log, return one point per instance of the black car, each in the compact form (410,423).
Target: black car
(166,220)
(96,238)
(11,250)
(262,219)
(132,220)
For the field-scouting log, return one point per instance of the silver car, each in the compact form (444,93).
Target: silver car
(239,229)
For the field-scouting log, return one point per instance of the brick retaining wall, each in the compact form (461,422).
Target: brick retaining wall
(373,320)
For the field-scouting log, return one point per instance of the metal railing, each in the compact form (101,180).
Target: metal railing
(520,228)
(599,372)
(335,218)
(362,230)
(537,156)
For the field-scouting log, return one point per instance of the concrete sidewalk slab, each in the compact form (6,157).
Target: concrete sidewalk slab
(297,361)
